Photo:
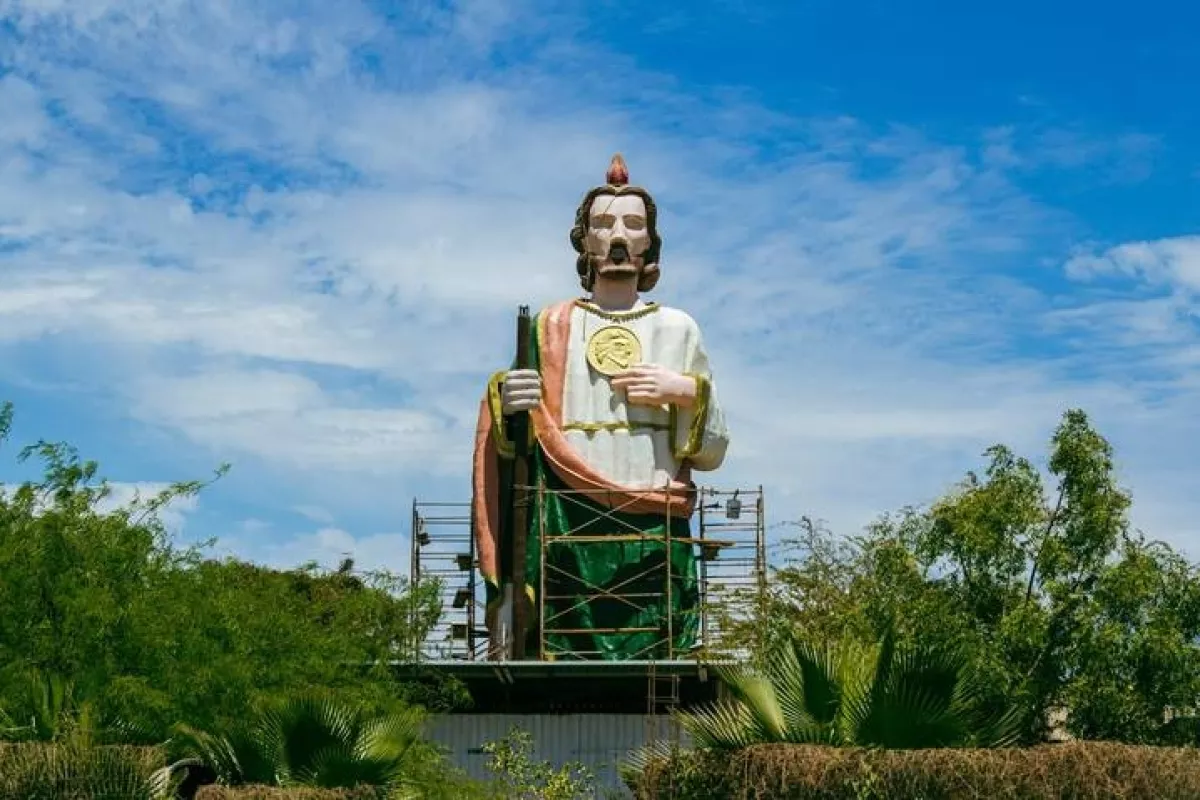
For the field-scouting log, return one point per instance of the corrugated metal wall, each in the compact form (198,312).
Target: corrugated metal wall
(598,741)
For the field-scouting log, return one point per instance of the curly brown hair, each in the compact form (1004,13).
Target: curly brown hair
(583,264)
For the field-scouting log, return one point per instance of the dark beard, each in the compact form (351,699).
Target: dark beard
(613,271)
(618,272)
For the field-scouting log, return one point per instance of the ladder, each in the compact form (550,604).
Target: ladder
(662,695)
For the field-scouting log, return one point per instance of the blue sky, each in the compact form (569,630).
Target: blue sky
(291,237)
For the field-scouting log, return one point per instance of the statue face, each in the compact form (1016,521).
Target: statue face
(617,235)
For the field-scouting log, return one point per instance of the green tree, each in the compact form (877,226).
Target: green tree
(819,595)
(1056,601)
(234,634)
(1064,605)
(145,634)
(71,576)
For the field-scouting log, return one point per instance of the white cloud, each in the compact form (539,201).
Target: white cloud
(1173,262)
(253,243)
(289,420)
(326,547)
(216,395)
(130,494)
(1122,158)
(315,514)
(1144,318)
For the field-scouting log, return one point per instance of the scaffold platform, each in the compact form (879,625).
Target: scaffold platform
(574,687)
(726,537)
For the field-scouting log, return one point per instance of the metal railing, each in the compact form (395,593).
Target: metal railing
(726,538)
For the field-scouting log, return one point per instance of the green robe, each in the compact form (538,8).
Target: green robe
(608,600)
(593,587)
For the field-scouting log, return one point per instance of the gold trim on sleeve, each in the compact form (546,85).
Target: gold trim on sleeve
(504,447)
(695,438)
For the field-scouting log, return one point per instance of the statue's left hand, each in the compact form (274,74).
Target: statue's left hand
(652,385)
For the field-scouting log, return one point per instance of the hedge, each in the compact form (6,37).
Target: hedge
(1080,771)
(32,771)
(40,771)
(275,793)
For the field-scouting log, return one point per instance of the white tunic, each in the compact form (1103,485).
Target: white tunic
(631,444)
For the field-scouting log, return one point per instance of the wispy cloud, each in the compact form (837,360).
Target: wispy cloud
(294,239)
(1124,158)
(326,546)
(1167,263)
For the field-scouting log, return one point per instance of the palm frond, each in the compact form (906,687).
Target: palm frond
(215,752)
(391,738)
(164,782)
(339,767)
(756,693)
(631,768)
(310,728)
(723,725)
(313,740)
(883,696)
(816,676)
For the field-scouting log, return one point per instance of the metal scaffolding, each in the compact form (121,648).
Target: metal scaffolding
(727,541)
(733,565)
(635,592)
(443,551)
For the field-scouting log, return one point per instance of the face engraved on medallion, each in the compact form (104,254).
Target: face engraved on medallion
(613,349)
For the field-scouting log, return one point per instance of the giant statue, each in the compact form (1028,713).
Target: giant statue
(621,409)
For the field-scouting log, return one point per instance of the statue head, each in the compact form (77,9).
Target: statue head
(616,232)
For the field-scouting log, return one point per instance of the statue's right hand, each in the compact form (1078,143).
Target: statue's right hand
(521,390)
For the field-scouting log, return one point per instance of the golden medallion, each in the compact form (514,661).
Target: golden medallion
(613,349)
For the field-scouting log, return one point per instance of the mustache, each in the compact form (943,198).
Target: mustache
(602,266)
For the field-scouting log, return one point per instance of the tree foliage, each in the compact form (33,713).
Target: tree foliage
(1056,601)
(114,625)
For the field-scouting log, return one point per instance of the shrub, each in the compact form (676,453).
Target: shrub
(36,771)
(295,793)
(1092,770)
(521,777)
(882,696)
(313,740)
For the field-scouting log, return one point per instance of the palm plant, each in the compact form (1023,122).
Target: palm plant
(313,741)
(48,709)
(881,696)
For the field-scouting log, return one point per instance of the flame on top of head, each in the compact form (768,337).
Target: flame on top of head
(618,173)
